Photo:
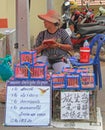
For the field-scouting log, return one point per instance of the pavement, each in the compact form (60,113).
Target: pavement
(100,103)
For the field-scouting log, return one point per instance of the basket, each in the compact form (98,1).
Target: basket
(2,92)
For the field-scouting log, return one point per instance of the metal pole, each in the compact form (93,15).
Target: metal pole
(50,4)
(22,24)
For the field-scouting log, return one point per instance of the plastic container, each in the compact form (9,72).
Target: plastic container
(84,54)
(73,81)
(28,57)
(86,44)
(58,81)
(88,81)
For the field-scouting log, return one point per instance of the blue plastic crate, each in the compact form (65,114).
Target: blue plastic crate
(73,81)
(88,81)
(69,70)
(38,71)
(28,57)
(21,71)
(58,81)
(82,70)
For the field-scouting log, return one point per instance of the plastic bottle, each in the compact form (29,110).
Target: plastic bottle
(85,52)
(86,43)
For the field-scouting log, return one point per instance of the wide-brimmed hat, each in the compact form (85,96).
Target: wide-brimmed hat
(51,16)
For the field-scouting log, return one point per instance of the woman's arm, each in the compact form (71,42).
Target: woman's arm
(41,48)
(66,47)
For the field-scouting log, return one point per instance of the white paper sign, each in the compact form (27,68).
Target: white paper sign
(74,105)
(28,106)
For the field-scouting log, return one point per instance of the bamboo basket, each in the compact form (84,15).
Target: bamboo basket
(2,92)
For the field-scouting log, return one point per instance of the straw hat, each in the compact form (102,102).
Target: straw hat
(51,16)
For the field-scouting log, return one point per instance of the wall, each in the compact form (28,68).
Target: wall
(35,23)
(37,7)
(11,12)
(3,8)
(7,10)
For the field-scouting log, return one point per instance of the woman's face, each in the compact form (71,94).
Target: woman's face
(47,24)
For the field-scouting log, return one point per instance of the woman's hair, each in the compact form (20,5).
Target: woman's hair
(58,24)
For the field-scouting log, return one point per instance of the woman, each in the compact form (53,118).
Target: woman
(54,42)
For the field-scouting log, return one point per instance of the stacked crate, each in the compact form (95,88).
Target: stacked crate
(73,80)
(29,68)
(58,81)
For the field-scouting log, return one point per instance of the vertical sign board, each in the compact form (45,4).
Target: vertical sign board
(74,105)
(28,103)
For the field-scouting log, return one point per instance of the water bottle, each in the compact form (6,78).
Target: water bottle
(86,43)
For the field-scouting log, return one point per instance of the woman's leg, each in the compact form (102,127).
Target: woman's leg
(58,67)
(43,59)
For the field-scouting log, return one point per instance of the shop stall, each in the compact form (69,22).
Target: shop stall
(36,97)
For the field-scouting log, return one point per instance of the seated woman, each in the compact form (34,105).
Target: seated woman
(53,43)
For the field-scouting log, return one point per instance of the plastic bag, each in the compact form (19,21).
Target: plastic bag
(5,68)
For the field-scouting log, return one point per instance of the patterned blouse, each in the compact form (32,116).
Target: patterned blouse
(60,35)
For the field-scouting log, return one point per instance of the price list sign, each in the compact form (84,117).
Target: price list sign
(28,103)
(74,105)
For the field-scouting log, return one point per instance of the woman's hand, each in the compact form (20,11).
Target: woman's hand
(50,43)
(55,45)
(41,47)
(44,46)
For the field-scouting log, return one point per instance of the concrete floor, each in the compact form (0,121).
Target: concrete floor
(100,104)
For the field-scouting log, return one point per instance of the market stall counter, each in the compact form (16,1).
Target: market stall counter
(36,97)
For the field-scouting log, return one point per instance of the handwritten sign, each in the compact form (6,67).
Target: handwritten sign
(28,105)
(74,105)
